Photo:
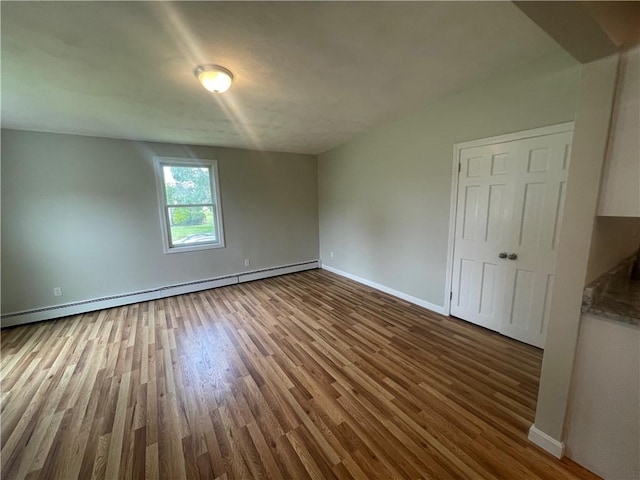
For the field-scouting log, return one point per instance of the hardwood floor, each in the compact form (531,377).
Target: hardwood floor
(302,376)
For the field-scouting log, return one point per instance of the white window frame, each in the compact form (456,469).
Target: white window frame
(159,163)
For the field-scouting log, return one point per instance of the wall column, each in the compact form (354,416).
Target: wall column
(593,115)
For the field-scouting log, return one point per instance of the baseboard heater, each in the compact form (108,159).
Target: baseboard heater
(84,306)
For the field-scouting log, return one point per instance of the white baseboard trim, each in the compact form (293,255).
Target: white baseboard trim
(75,308)
(544,441)
(390,291)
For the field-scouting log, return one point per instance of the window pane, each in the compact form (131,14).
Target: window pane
(192,225)
(187,185)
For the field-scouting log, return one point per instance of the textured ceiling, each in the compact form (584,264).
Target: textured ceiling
(309,75)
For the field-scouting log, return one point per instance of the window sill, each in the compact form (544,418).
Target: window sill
(193,248)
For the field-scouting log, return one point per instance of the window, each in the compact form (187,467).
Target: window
(189,197)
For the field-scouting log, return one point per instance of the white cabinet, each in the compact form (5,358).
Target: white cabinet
(620,191)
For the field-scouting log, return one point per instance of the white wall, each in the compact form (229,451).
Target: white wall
(385,196)
(603,426)
(81,213)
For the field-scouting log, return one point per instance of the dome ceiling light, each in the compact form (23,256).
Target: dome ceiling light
(214,78)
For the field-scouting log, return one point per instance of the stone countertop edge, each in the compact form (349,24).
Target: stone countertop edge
(603,297)
(603,312)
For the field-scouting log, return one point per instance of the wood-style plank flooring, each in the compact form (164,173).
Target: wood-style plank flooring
(302,376)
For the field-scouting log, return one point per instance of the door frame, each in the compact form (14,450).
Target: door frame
(457,148)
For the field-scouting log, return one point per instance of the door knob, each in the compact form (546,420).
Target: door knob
(502,255)
(512,256)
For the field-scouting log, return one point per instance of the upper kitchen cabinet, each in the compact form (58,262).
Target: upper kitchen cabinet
(620,192)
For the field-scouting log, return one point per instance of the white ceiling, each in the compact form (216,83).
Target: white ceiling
(309,75)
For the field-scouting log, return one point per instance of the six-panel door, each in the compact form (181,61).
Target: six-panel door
(483,232)
(510,202)
(540,185)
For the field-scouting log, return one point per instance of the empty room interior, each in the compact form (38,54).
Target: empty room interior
(320,240)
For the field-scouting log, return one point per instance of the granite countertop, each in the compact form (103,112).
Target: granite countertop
(614,296)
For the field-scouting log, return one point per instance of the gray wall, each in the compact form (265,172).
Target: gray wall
(385,196)
(81,213)
(595,102)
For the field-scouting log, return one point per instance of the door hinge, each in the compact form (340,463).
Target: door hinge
(459,167)
(450,295)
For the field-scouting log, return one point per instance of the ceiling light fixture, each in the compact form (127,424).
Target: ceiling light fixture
(214,78)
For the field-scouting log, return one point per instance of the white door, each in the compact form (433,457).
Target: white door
(540,185)
(482,232)
(510,202)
